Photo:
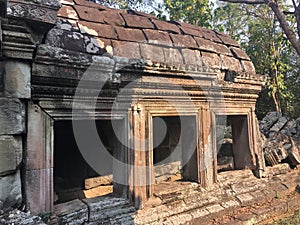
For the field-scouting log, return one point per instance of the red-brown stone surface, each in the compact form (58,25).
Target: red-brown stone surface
(159,37)
(132,34)
(137,21)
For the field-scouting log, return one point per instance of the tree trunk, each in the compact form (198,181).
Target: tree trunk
(291,36)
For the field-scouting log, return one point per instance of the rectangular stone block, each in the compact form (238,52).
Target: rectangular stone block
(39,147)
(10,153)
(39,190)
(10,192)
(17,79)
(12,116)
(73,212)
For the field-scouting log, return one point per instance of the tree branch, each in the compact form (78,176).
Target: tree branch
(251,2)
(281,18)
(284,25)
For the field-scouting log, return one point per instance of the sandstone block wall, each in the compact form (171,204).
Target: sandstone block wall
(14,94)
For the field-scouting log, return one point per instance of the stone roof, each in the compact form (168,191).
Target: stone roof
(92,28)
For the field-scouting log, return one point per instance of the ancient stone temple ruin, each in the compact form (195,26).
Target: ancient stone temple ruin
(156,93)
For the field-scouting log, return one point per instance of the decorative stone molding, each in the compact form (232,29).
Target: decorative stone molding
(45,11)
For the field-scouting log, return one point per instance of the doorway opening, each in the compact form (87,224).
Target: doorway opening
(174,148)
(74,178)
(233,143)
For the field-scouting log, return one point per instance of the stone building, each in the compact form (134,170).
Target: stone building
(67,64)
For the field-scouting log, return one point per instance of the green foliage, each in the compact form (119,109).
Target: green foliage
(196,12)
(45,216)
(261,36)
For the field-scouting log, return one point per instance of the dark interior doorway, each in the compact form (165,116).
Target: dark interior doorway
(174,153)
(233,143)
(73,177)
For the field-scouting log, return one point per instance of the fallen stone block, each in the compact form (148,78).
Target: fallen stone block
(98,181)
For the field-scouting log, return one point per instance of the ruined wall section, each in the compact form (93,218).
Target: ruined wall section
(19,35)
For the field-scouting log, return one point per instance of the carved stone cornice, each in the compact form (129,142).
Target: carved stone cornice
(40,11)
(17,41)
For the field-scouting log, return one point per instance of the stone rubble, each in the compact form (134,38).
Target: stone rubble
(237,192)
(17,217)
(281,139)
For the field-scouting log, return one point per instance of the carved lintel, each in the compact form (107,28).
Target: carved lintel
(32,11)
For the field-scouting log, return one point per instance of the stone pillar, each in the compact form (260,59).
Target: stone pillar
(257,146)
(139,173)
(207,151)
(39,161)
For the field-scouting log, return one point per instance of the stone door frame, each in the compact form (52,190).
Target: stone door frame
(249,113)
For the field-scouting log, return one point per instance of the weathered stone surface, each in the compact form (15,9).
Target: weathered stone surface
(66,39)
(130,50)
(97,181)
(211,60)
(210,35)
(282,139)
(248,66)
(90,4)
(230,63)
(137,21)
(214,208)
(279,124)
(191,31)
(38,191)
(166,26)
(211,46)
(72,212)
(67,12)
(10,153)
(158,37)
(10,194)
(237,52)
(20,218)
(2,70)
(230,204)
(135,35)
(191,56)
(34,12)
(225,163)
(173,56)
(89,14)
(183,41)
(151,52)
(12,114)
(268,121)
(17,79)
(106,208)
(245,199)
(97,29)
